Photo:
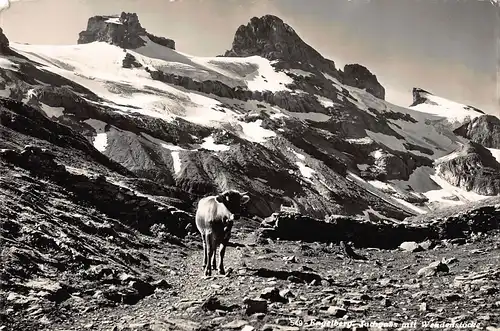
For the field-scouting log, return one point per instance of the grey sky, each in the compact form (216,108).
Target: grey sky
(445,46)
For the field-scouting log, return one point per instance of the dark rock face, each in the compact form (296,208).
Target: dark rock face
(124,31)
(130,62)
(359,76)
(484,130)
(273,39)
(161,41)
(4,43)
(420,96)
(474,169)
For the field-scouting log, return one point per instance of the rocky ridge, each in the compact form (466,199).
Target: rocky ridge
(124,31)
(473,168)
(484,130)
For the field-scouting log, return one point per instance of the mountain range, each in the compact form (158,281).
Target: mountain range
(271,116)
(123,131)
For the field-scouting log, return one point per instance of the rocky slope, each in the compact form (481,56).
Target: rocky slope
(484,130)
(473,168)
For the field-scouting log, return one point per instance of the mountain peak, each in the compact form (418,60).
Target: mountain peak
(124,30)
(359,76)
(270,37)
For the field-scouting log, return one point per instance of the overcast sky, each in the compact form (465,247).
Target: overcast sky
(445,46)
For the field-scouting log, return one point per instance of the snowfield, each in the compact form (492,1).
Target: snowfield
(132,90)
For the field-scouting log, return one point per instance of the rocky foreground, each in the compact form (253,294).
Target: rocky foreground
(278,285)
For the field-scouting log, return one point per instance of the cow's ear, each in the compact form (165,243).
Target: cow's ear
(220,198)
(244,199)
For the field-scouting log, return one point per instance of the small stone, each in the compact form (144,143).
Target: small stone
(336,311)
(422,306)
(451,297)
(433,268)
(411,246)
(428,244)
(256,305)
(287,294)
(248,328)
(291,259)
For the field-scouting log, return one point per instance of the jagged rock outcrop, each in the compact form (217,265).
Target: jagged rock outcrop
(4,42)
(473,168)
(484,130)
(392,167)
(359,76)
(268,36)
(124,31)
(420,96)
(130,62)
(161,40)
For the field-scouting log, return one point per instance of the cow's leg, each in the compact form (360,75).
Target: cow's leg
(221,258)
(211,251)
(214,258)
(205,252)
(225,241)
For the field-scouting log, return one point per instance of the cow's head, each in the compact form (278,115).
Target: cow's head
(234,201)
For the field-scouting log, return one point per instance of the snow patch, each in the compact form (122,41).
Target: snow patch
(298,155)
(254,132)
(8,64)
(455,113)
(386,140)
(114,20)
(276,116)
(325,102)
(300,72)
(495,153)
(267,78)
(449,195)
(360,141)
(52,111)
(305,170)
(101,141)
(209,143)
(363,167)
(177,162)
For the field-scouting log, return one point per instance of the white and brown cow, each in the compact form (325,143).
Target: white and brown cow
(214,220)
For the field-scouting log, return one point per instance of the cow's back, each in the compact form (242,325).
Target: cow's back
(209,213)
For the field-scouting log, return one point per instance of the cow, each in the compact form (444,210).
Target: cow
(214,220)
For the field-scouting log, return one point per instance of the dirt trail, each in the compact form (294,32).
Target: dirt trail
(194,286)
